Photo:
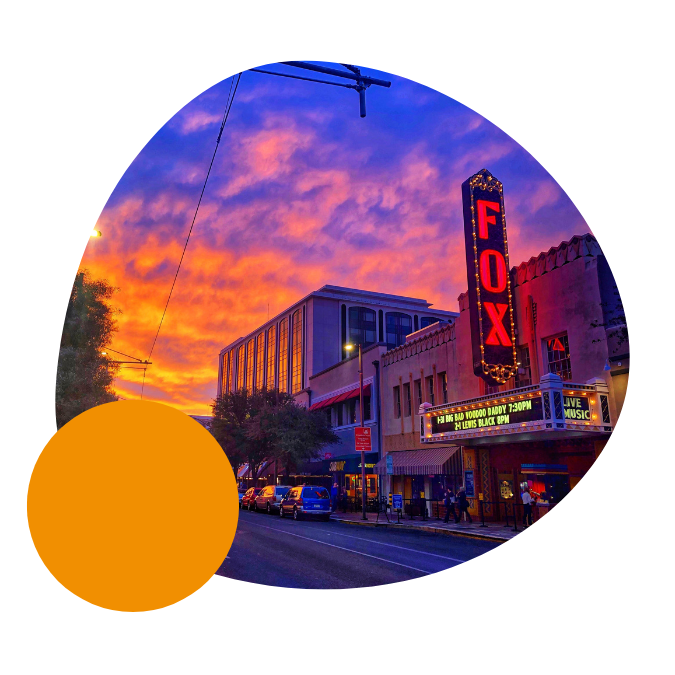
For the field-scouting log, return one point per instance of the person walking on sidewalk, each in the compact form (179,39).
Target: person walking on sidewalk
(527,506)
(334,497)
(449,503)
(463,505)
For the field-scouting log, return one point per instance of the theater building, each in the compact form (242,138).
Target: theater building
(546,423)
(302,351)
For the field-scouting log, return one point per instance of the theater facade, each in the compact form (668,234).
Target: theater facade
(524,386)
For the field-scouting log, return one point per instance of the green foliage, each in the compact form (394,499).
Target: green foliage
(269,425)
(84,378)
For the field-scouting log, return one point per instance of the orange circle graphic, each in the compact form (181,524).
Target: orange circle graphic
(132,506)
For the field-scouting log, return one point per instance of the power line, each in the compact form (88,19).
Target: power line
(228,107)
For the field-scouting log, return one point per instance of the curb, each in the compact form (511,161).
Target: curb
(426,528)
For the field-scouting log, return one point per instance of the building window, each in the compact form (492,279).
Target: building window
(398,326)
(250,359)
(351,411)
(444,385)
(241,373)
(428,321)
(339,414)
(430,388)
(283,355)
(260,362)
(407,401)
(225,381)
(380,323)
(366,408)
(271,355)
(558,351)
(524,372)
(296,356)
(329,416)
(362,326)
(397,402)
(418,393)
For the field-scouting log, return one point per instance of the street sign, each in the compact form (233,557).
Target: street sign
(362,439)
(390,465)
(397,502)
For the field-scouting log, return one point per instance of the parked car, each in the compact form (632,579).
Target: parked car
(247,500)
(268,498)
(304,500)
(242,492)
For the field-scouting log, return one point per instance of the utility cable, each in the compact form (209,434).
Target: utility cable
(228,107)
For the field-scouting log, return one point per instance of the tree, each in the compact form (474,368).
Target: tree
(232,418)
(268,425)
(84,378)
(294,434)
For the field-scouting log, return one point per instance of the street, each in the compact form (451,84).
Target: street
(314,554)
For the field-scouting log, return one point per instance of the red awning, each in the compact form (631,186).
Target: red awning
(352,393)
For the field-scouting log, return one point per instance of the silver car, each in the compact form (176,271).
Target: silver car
(269,497)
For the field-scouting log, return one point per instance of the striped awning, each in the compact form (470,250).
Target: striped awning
(426,462)
(352,393)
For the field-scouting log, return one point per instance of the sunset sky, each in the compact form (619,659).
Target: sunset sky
(303,193)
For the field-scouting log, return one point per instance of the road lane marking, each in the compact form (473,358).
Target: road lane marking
(403,548)
(342,548)
(381,543)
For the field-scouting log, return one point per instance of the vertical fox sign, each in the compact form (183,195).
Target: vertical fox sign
(487,261)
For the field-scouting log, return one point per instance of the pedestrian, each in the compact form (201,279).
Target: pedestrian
(527,505)
(449,503)
(334,497)
(463,505)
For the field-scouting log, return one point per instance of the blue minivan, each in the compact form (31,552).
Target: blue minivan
(304,500)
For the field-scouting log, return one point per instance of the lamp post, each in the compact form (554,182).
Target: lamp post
(364,485)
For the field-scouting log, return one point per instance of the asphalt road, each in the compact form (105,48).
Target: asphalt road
(315,554)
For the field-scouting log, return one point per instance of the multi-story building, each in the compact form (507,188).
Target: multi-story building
(445,427)
(302,351)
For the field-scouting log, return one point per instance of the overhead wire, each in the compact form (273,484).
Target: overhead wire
(226,114)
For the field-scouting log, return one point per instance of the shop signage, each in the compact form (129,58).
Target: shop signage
(499,414)
(577,408)
(493,338)
(469,484)
(397,502)
(390,465)
(336,466)
(362,439)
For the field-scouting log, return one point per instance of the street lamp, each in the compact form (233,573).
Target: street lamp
(96,233)
(364,485)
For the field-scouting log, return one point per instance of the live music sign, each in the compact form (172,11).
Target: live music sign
(493,338)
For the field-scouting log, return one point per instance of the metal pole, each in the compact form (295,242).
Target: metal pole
(364,487)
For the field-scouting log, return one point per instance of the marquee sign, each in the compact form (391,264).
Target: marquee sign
(500,413)
(493,337)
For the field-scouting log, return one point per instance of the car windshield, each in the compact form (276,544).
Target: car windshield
(282,490)
(315,493)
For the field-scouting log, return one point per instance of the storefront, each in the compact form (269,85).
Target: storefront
(346,472)
(544,437)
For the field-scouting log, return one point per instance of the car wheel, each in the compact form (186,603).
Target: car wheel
(296,514)
(269,509)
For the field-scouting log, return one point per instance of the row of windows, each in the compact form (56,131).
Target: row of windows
(557,359)
(254,372)
(363,326)
(407,401)
(341,414)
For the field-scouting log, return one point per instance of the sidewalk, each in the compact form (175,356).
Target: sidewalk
(492,531)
